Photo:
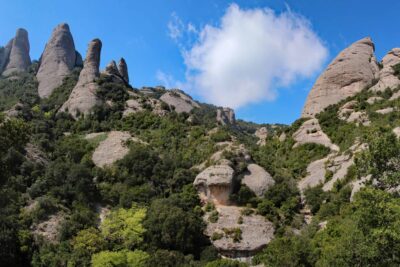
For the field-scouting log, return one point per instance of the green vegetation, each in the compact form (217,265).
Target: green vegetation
(155,217)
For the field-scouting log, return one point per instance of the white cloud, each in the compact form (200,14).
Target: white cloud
(175,27)
(249,55)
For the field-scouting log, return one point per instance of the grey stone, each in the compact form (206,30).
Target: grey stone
(19,59)
(257,179)
(57,61)
(179,100)
(215,184)
(226,116)
(352,70)
(83,97)
(123,70)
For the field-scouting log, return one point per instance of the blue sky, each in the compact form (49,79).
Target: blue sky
(138,31)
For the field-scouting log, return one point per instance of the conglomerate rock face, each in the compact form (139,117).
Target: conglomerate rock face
(179,101)
(257,179)
(254,230)
(16,57)
(83,97)
(57,61)
(387,78)
(215,184)
(352,70)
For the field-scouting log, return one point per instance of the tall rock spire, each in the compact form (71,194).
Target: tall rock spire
(83,97)
(18,59)
(351,71)
(57,61)
(123,70)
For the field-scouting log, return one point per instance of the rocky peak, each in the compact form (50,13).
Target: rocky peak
(112,69)
(57,60)
(351,71)
(83,97)
(387,79)
(225,116)
(18,59)
(123,69)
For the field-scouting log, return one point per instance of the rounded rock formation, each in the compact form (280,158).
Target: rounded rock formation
(351,71)
(57,60)
(83,97)
(18,59)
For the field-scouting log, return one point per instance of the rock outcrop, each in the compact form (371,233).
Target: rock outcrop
(351,71)
(225,116)
(18,59)
(4,55)
(179,101)
(83,97)
(239,240)
(262,134)
(384,111)
(310,132)
(123,70)
(257,179)
(112,148)
(348,113)
(57,61)
(387,79)
(215,184)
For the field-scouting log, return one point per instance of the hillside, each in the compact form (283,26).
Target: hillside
(95,172)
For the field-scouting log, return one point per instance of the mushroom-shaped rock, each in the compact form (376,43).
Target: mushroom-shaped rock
(123,70)
(252,234)
(18,58)
(83,97)
(350,72)
(387,79)
(257,179)
(57,61)
(225,116)
(310,132)
(215,184)
(179,100)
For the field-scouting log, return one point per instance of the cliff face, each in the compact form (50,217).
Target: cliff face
(83,97)
(57,61)
(351,71)
(16,56)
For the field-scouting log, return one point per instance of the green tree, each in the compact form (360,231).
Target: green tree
(123,258)
(123,227)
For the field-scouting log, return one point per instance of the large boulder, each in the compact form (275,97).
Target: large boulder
(252,232)
(351,71)
(83,97)
(215,184)
(387,79)
(179,101)
(57,61)
(257,179)
(18,58)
